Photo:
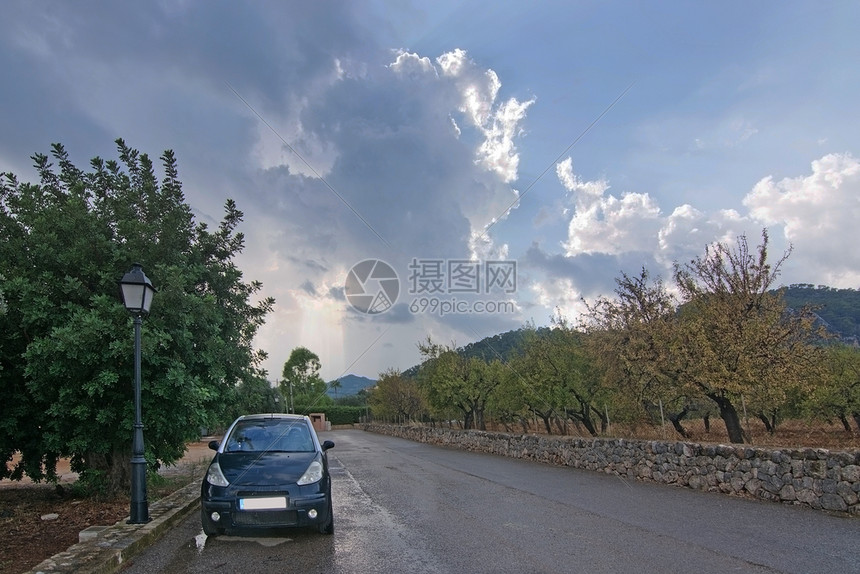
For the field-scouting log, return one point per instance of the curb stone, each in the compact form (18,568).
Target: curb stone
(119,543)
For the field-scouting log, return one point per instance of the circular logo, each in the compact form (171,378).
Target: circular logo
(372,286)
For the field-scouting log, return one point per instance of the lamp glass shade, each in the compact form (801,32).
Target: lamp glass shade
(137,290)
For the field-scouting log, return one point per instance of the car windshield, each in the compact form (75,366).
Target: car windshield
(270,435)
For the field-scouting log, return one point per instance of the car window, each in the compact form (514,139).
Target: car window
(270,435)
(294,438)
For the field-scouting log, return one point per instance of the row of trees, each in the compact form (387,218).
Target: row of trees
(731,340)
(66,345)
(722,341)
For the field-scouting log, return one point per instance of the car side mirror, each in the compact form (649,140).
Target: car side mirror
(327,445)
(213,444)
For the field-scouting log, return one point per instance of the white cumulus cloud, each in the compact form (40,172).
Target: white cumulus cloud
(819,214)
(412,64)
(603,223)
(499,122)
(607,235)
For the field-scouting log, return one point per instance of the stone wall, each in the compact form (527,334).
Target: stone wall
(818,478)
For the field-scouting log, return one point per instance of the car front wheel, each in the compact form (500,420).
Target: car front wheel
(328,526)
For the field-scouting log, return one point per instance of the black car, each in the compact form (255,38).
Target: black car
(270,470)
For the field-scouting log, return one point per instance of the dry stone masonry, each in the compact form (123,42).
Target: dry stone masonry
(818,478)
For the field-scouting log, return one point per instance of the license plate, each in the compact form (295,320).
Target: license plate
(263,503)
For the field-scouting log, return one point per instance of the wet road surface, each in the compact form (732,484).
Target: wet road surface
(405,507)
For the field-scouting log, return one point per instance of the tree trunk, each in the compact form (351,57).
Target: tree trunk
(707,420)
(113,470)
(729,414)
(589,426)
(845,424)
(676,422)
(856,416)
(480,424)
(468,420)
(679,428)
(769,427)
(584,417)
(547,423)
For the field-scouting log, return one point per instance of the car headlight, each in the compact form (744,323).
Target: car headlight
(314,473)
(215,477)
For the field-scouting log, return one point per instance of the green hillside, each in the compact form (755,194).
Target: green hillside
(838,308)
(500,346)
(349,385)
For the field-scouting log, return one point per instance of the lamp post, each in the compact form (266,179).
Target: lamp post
(137,292)
(291,395)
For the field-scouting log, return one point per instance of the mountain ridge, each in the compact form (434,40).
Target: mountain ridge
(349,385)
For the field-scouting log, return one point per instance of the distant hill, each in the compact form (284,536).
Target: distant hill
(838,308)
(501,346)
(350,385)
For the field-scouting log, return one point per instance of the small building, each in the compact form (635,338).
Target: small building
(319,422)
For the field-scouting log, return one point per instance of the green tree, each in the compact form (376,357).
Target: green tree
(301,383)
(631,339)
(555,379)
(2,299)
(359,399)
(335,386)
(731,339)
(254,396)
(738,339)
(396,397)
(839,396)
(484,378)
(66,345)
(451,380)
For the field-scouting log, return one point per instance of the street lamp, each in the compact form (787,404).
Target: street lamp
(291,395)
(137,292)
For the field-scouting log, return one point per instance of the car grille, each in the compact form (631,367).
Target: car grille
(265,518)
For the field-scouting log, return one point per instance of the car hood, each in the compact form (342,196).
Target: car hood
(264,468)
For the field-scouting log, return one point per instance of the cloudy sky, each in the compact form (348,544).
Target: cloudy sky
(456,141)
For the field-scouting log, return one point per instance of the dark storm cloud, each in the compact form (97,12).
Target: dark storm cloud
(403,188)
(308,288)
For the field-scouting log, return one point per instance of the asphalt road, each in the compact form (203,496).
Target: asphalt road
(406,507)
